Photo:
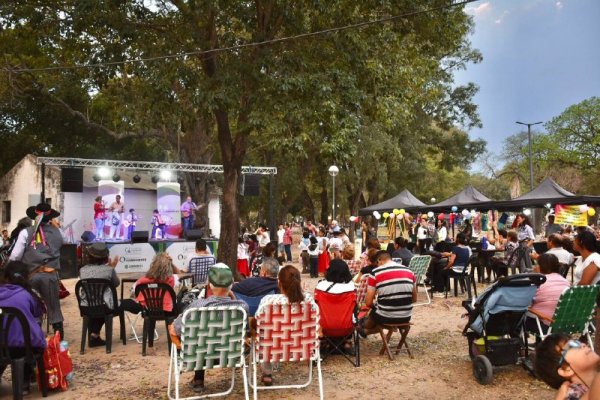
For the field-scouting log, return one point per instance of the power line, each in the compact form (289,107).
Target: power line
(452,4)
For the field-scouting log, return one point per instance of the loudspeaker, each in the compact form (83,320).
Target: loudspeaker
(88,236)
(251,185)
(71,180)
(139,237)
(68,261)
(193,234)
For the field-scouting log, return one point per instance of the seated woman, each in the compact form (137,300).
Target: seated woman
(588,265)
(338,279)
(98,267)
(161,270)
(290,289)
(547,295)
(509,259)
(370,266)
(457,260)
(15,291)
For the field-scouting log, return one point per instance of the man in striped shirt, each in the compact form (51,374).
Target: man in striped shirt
(395,289)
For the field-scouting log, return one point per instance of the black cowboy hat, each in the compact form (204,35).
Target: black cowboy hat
(42,208)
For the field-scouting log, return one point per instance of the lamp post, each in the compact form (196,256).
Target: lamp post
(529,125)
(530,156)
(333,171)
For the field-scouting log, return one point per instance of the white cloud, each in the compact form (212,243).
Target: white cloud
(559,5)
(500,19)
(480,9)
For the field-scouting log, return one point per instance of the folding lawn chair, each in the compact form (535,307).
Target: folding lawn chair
(252,301)
(573,313)
(337,318)
(418,265)
(287,333)
(199,266)
(354,266)
(211,337)
(361,291)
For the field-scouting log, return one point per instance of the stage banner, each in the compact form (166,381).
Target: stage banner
(169,201)
(570,215)
(134,257)
(109,190)
(181,252)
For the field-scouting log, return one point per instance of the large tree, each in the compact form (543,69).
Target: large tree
(338,92)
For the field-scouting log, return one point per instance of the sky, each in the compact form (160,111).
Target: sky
(539,57)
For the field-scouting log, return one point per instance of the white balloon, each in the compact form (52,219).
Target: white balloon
(430,214)
(527,211)
(377,215)
(464,212)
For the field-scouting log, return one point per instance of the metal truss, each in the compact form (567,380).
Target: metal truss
(148,166)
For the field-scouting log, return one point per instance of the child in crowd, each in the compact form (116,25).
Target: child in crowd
(242,258)
(567,365)
(303,247)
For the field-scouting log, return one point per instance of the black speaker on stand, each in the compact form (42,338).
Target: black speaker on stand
(193,234)
(71,180)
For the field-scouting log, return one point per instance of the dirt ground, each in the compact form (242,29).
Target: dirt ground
(441,368)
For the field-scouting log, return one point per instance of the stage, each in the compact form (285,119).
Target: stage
(134,257)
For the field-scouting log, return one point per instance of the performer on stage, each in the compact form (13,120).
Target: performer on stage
(158,223)
(129,222)
(116,219)
(187,213)
(99,217)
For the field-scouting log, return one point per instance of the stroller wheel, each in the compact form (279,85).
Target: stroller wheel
(482,370)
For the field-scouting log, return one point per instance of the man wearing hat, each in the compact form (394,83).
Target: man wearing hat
(220,279)
(39,246)
(99,267)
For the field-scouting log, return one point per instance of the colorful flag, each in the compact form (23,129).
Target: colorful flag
(570,215)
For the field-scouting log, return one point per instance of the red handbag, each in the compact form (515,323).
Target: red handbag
(62,291)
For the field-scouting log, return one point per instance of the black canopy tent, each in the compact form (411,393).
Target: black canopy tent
(546,192)
(469,198)
(403,200)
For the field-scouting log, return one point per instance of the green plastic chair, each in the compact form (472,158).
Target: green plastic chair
(573,313)
(418,265)
(211,337)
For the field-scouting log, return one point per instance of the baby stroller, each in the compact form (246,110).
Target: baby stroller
(495,329)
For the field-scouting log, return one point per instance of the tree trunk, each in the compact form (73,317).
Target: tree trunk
(228,238)
(324,206)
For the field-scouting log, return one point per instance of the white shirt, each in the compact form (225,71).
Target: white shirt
(242,251)
(564,257)
(336,243)
(337,288)
(280,233)
(581,265)
(264,239)
(422,232)
(442,234)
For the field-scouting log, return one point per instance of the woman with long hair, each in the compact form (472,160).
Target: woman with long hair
(526,237)
(290,291)
(161,270)
(16,291)
(99,216)
(588,265)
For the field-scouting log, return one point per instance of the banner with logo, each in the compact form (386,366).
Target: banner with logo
(133,257)
(181,252)
(570,215)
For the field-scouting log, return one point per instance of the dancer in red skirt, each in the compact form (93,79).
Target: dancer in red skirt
(242,258)
(323,248)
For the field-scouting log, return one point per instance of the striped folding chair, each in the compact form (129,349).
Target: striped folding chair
(354,266)
(199,266)
(361,291)
(418,265)
(211,337)
(287,333)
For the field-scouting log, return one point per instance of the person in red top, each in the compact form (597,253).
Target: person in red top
(99,217)
(161,270)
(287,242)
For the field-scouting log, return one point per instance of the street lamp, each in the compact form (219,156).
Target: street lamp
(530,156)
(333,171)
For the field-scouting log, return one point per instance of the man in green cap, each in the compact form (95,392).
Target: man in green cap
(220,280)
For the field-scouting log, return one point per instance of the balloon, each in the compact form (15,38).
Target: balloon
(591,212)
(468,215)
(352,218)
(441,216)
(392,216)
(583,208)
(402,211)
(454,209)
(464,212)
(396,211)
(386,214)
(430,214)
(473,212)
(527,211)
(376,214)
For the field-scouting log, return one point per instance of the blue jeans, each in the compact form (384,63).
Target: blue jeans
(99,228)
(188,223)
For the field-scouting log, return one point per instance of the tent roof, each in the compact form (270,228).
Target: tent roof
(404,199)
(548,189)
(466,197)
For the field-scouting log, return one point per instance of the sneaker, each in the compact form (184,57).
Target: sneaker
(439,294)
(97,341)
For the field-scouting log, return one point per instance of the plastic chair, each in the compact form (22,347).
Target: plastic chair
(8,316)
(211,337)
(199,266)
(154,295)
(91,298)
(287,333)
(337,318)
(418,265)
(573,314)
(465,278)
(252,301)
